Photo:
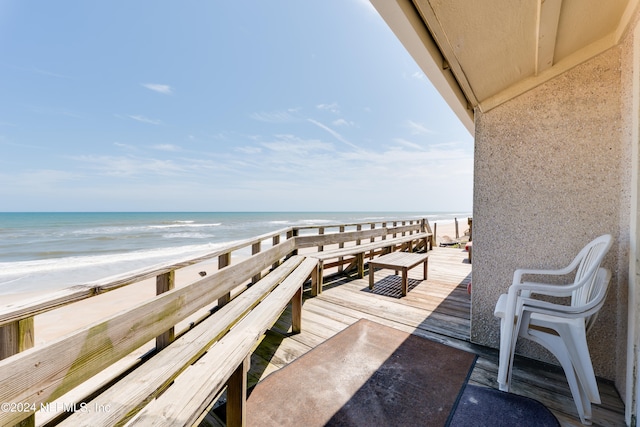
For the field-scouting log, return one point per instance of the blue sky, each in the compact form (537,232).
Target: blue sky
(220,106)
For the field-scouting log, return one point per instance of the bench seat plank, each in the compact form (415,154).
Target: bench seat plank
(194,390)
(358,252)
(134,391)
(42,374)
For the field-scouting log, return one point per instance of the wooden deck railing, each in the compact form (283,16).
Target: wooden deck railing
(88,351)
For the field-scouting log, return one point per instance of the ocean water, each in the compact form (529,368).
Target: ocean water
(48,251)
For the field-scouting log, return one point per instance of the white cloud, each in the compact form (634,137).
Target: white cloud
(121,166)
(144,119)
(46,73)
(335,134)
(419,75)
(128,147)
(274,116)
(334,107)
(342,122)
(249,150)
(293,144)
(166,147)
(163,89)
(418,128)
(408,144)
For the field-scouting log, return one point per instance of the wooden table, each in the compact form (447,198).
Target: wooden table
(399,261)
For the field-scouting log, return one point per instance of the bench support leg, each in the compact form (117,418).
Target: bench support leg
(237,395)
(360,258)
(296,312)
(316,280)
(372,271)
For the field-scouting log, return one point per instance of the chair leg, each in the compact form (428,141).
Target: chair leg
(576,342)
(557,347)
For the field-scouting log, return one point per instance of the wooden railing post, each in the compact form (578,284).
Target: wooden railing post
(435,230)
(223,261)
(320,232)
(457,233)
(432,238)
(358,228)
(164,283)
(340,246)
(275,241)
(373,239)
(237,395)
(17,337)
(256,248)
(290,235)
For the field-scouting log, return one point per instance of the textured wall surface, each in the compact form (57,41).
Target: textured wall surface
(552,173)
(628,134)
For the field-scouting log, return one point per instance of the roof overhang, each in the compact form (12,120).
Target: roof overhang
(481,54)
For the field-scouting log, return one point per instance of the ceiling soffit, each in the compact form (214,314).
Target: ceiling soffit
(498,49)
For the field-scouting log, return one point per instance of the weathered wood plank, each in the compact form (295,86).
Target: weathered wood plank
(237,396)
(336,238)
(164,283)
(352,250)
(43,303)
(193,392)
(404,229)
(401,314)
(45,373)
(16,337)
(142,385)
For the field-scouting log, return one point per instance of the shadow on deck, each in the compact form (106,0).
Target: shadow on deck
(438,309)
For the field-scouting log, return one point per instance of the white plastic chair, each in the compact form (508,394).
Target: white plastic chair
(559,328)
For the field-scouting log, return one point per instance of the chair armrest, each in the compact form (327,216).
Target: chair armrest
(517,275)
(550,308)
(527,288)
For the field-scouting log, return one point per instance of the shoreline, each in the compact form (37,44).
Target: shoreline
(67,319)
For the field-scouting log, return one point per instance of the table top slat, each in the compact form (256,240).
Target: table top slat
(399,260)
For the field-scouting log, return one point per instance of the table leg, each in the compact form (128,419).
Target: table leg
(372,269)
(405,282)
(426,264)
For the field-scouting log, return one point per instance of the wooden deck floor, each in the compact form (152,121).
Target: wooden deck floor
(438,309)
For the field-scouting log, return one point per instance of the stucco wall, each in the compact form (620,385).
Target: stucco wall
(629,93)
(552,173)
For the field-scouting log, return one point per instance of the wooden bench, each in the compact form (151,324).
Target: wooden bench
(43,374)
(403,261)
(359,251)
(94,376)
(220,347)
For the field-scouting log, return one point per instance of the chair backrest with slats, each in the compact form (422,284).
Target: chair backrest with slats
(598,296)
(590,257)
